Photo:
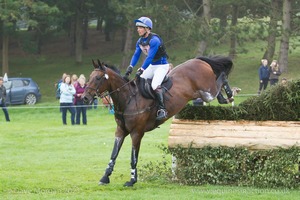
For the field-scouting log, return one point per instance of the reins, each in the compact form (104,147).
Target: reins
(106,94)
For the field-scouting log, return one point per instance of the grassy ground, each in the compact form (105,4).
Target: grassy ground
(42,159)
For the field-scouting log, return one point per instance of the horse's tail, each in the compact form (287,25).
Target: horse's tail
(219,64)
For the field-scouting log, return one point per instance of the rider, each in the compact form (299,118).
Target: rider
(155,65)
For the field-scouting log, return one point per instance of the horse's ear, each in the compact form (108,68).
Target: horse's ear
(100,65)
(95,65)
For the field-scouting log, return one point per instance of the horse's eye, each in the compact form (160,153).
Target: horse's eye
(98,77)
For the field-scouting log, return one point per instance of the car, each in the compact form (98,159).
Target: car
(22,91)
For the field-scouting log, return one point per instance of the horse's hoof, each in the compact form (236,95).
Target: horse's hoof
(230,100)
(104,180)
(130,183)
(101,183)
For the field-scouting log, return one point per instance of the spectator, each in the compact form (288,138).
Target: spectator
(264,74)
(274,72)
(80,106)
(82,76)
(74,79)
(57,85)
(66,100)
(2,99)
(95,103)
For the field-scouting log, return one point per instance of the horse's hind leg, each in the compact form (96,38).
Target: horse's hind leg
(117,146)
(223,82)
(227,89)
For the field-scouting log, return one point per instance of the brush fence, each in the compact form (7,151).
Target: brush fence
(254,135)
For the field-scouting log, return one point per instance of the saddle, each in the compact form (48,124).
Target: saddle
(146,89)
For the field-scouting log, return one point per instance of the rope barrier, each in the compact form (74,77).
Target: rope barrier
(87,106)
(245,95)
(47,107)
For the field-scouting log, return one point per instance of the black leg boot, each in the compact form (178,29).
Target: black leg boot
(227,90)
(221,99)
(162,112)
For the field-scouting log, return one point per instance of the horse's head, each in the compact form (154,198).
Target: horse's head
(97,84)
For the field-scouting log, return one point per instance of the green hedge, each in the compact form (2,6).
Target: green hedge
(238,166)
(280,103)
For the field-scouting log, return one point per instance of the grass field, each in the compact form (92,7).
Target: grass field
(42,159)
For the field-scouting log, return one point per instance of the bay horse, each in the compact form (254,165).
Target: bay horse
(201,77)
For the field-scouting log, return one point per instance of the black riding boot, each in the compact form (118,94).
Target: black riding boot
(162,112)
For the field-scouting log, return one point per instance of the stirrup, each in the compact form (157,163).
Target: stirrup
(161,114)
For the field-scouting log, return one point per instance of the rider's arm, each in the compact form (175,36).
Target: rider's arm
(136,55)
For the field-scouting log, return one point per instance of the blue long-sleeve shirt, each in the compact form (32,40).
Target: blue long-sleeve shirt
(263,72)
(150,51)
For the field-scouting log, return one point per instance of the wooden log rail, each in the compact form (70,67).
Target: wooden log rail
(254,135)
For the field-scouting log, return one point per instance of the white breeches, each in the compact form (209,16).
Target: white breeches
(157,73)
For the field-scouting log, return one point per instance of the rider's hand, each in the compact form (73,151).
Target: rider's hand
(139,72)
(129,70)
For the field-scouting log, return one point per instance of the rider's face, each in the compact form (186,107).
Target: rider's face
(141,30)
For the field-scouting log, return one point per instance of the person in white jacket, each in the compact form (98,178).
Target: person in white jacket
(67,92)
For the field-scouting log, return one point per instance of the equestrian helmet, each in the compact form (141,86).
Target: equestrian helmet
(143,22)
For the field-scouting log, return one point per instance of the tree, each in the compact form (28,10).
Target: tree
(79,30)
(234,21)
(285,36)
(274,17)
(12,11)
(206,24)
(75,14)
(8,18)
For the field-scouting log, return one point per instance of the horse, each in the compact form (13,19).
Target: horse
(134,114)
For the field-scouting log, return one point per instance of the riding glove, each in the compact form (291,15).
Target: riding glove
(139,72)
(129,70)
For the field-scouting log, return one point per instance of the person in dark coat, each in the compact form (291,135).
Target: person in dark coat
(274,72)
(2,99)
(264,75)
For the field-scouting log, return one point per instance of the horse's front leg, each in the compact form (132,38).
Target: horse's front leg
(117,146)
(136,142)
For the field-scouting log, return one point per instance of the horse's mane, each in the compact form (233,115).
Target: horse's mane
(115,69)
(112,67)
(218,63)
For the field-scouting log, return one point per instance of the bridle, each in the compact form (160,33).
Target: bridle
(99,79)
(105,94)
